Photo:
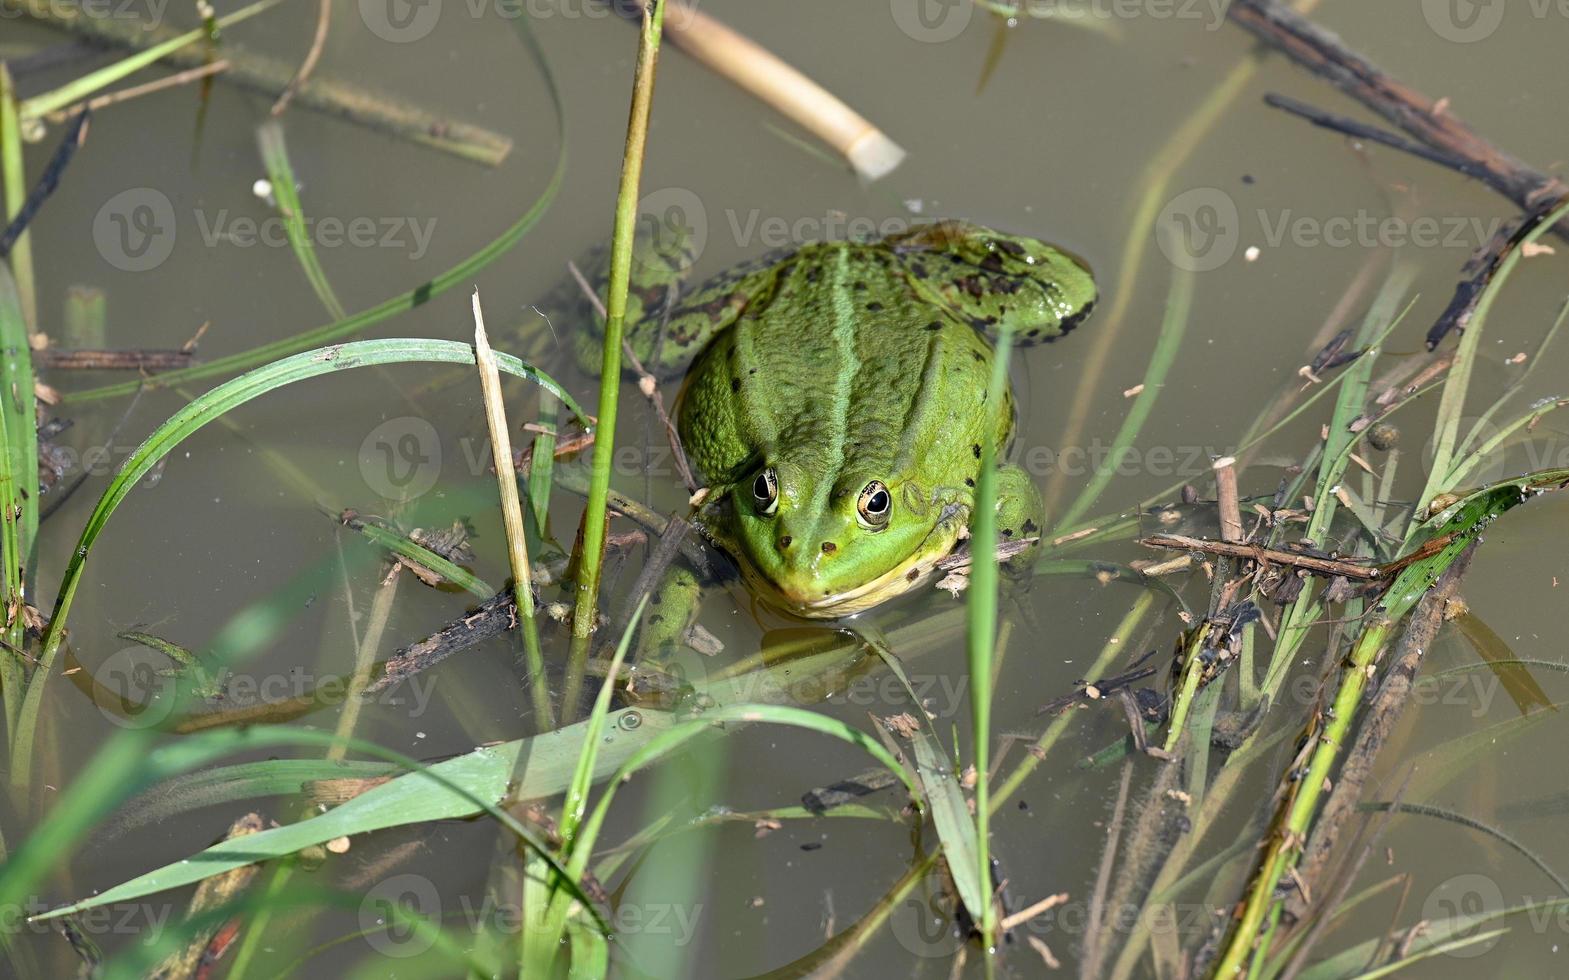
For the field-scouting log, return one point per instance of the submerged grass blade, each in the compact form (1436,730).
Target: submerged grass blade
(460,274)
(275,157)
(80,88)
(1179,306)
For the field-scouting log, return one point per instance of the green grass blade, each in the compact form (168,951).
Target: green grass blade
(592,555)
(431,787)
(275,156)
(200,412)
(78,89)
(981,639)
(461,274)
(18,498)
(945,800)
(1451,405)
(13,186)
(583,776)
(406,547)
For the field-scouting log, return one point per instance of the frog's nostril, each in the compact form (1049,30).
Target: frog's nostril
(829,547)
(784,542)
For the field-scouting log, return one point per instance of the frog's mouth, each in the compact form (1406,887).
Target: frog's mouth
(811,604)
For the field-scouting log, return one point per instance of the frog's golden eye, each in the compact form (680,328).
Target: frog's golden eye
(765,492)
(875,505)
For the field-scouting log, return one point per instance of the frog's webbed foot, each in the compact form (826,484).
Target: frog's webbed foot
(672,608)
(997,282)
(1020,514)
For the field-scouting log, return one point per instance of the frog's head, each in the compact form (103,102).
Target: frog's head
(824,547)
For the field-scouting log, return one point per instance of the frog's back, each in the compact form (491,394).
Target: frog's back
(843,367)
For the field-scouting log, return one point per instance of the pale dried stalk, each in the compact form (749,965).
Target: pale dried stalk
(759,71)
(511,515)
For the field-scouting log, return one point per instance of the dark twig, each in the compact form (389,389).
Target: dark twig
(1429,122)
(1258,553)
(150,359)
(1361,130)
(74,137)
(308,66)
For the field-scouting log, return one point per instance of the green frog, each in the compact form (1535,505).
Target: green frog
(835,402)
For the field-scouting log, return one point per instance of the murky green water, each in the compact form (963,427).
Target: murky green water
(1055,144)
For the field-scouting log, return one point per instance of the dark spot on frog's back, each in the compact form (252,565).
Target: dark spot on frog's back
(1011,247)
(976,449)
(829,547)
(992,262)
(735,384)
(934,325)
(874,307)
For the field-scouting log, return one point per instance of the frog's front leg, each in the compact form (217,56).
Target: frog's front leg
(1020,513)
(665,326)
(995,282)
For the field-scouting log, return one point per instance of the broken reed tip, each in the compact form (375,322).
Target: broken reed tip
(874,155)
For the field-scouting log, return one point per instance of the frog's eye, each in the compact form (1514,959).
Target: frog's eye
(875,505)
(765,491)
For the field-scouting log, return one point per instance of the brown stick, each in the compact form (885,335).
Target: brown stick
(1259,553)
(64,359)
(1323,53)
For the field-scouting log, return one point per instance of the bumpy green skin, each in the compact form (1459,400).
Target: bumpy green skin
(846,362)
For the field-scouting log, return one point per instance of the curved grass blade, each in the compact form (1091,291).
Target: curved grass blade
(198,413)
(441,783)
(18,497)
(458,275)
(1471,823)
(275,156)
